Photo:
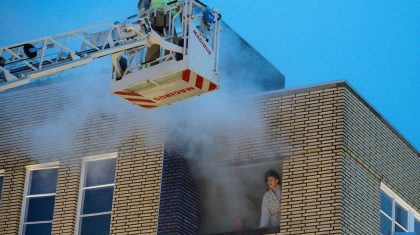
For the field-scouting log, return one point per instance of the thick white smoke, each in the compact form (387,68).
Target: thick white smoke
(210,128)
(219,133)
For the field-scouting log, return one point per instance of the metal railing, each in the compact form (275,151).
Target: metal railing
(28,61)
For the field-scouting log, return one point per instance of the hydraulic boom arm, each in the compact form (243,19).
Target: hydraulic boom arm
(160,56)
(28,61)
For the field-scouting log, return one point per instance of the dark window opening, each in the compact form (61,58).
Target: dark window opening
(207,197)
(231,199)
(96,196)
(1,185)
(396,215)
(39,201)
(417,226)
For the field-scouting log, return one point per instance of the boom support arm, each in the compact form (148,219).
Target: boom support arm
(28,61)
(24,62)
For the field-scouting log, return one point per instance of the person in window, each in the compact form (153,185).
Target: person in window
(270,210)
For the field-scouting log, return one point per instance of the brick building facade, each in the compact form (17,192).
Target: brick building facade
(334,152)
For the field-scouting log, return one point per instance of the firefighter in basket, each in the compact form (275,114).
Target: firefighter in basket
(159,20)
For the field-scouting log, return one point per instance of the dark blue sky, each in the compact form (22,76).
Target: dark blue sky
(374,45)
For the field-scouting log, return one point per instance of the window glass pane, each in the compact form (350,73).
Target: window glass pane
(1,185)
(97,200)
(96,225)
(385,225)
(38,229)
(40,209)
(417,226)
(401,215)
(43,181)
(399,228)
(386,203)
(100,172)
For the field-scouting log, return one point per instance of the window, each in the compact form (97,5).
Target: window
(396,215)
(1,182)
(240,187)
(96,194)
(417,225)
(39,198)
(401,218)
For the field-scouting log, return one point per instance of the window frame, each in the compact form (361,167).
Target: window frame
(416,217)
(1,189)
(80,199)
(24,210)
(412,215)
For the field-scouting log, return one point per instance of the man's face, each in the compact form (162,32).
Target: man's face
(272,182)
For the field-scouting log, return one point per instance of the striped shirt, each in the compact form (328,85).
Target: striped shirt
(270,210)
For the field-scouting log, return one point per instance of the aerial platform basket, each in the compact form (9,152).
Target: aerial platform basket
(159,56)
(183,70)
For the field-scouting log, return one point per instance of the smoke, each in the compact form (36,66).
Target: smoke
(223,134)
(74,110)
(224,137)
(216,132)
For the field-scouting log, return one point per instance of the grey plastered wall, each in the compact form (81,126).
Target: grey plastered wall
(374,152)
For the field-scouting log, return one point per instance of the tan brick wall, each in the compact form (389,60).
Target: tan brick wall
(136,199)
(65,208)
(137,189)
(336,150)
(11,200)
(303,129)
(374,152)
(310,122)
(330,143)
(360,200)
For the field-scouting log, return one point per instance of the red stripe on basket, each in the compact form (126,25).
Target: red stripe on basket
(199,82)
(212,86)
(127,93)
(147,106)
(186,75)
(139,100)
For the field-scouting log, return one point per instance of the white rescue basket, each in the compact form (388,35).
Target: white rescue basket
(181,71)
